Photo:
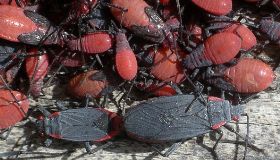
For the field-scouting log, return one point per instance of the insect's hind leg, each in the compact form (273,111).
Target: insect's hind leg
(170,150)
(6,132)
(91,151)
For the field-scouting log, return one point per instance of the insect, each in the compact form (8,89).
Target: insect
(141,19)
(13,108)
(80,125)
(93,83)
(217,49)
(178,118)
(166,66)
(36,69)
(92,43)
(27,27)
(215,7)
(126,63)
(247,76)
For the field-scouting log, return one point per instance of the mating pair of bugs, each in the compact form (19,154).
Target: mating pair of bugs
(158,120)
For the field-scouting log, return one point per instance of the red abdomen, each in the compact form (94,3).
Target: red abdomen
(167,67)
(126,62)
(92,43)
(13,23)
(222,47)
(216,7)
(250,75)
(10,111)
(84,84)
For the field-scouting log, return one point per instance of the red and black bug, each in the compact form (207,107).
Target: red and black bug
(81,125)
(27,27)
(217,49)
(246,76)
(141,19)
(178,118)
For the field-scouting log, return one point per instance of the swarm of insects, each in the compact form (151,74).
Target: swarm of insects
(190,65)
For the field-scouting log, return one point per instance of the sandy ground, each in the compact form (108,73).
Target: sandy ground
(264,133)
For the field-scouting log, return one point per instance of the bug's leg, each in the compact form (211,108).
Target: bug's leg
(170,149)
(263,2)
(176,88)
(200,139)
(48,142)
(249,98)
(222,94)
(105,145)
(7,133)
(60,105)
(86,101)
(105,101)
(194,74)
(44,111)
(220,132)
(88,148)
(99,60)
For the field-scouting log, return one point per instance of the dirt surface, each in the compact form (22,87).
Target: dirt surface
(264,133)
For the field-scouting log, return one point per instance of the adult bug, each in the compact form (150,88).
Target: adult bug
(180,117)
(217,49)
(83,125)
(246,76)
(13,108)
(27,27)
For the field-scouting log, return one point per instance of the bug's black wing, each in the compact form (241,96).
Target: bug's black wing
(166,119)
(86,124)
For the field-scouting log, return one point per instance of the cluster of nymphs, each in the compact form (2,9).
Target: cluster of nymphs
(199,58)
